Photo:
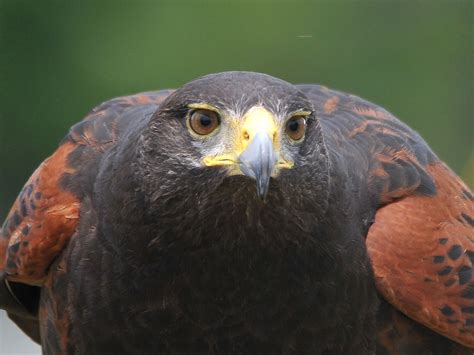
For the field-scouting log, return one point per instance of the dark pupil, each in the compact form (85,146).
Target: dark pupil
(294,125)
(205,121)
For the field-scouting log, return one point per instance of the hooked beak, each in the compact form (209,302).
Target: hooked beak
(255,152)
(258,160)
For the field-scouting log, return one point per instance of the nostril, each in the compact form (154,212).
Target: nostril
(246,136)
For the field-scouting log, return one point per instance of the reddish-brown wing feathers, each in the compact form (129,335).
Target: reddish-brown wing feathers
(46,213)
(422,241)
(422,249)
(41,221)
(399,335)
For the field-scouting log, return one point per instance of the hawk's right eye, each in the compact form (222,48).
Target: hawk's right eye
(203,122)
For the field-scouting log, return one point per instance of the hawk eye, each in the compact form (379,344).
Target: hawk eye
(203,122)
(295,128)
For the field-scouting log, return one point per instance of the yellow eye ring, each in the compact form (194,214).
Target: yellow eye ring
(203,122)
(296,128)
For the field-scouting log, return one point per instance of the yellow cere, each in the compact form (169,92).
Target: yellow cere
(257,119)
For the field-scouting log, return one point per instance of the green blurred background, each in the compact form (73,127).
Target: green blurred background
(58,59)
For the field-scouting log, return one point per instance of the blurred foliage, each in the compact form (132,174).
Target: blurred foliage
(58,59)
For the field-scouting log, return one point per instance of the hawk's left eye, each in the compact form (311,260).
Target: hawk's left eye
(295,128)
(204,122)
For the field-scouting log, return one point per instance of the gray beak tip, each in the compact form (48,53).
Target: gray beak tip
(257,162)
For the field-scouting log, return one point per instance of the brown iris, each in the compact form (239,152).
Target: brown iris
(204,122)
(296,127)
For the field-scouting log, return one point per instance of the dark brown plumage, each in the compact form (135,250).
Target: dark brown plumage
(146,234)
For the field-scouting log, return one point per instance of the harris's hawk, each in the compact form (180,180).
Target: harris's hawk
(241,214)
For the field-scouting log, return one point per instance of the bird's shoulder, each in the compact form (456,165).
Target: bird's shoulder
(46,213)
(422,240)
(371,146)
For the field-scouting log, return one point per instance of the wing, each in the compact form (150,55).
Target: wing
(421,241)
(47,211)
(422,250)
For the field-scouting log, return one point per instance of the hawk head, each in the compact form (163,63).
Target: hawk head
(240,135)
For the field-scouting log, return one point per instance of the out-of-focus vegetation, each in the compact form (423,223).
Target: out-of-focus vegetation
(60,58)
